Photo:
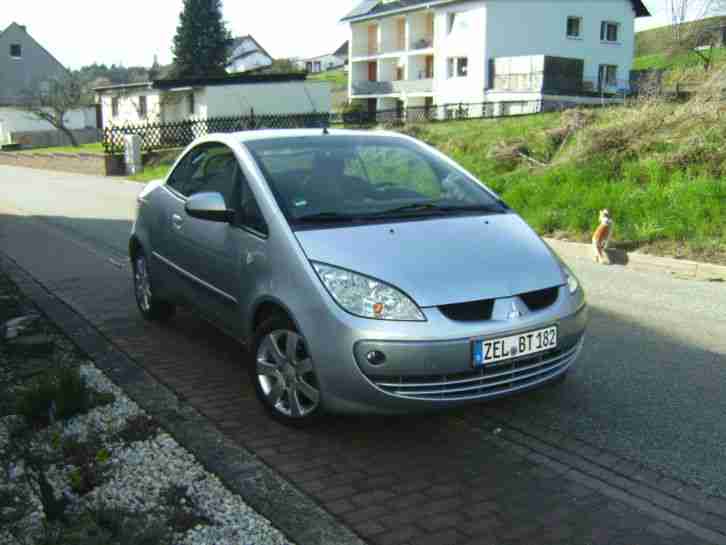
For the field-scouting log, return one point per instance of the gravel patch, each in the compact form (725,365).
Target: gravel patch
(60,476)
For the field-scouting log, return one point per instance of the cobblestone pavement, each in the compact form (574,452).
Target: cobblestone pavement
(468,476)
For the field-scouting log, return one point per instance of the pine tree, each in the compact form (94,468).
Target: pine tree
(202,40)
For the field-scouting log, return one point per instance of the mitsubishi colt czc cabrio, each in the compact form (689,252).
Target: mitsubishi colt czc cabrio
(365,271)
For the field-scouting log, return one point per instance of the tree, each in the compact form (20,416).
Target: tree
(53,101)
(202,40)
(690,32)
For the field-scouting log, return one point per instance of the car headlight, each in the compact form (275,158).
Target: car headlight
(573,284)
(367,297)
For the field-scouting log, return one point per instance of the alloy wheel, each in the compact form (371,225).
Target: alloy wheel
(142,284)
(285,374)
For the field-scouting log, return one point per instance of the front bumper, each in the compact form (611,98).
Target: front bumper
(432,368)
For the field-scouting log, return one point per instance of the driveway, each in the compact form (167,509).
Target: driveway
(645,403)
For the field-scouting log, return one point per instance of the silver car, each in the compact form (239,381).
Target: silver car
(365,271)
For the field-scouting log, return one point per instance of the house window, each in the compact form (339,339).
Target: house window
(309,66)
(457,67)
(191,103)
(316,67)
(399,73)
(574,25)
(142,107)
(114,106)
(16,51)
(609,31)
(608,75)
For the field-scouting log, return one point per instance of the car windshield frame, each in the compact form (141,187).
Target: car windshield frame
(446,173)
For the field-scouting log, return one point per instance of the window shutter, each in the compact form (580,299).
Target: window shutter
(603,30)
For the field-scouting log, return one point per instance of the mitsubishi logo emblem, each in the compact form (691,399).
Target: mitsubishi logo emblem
(514,313)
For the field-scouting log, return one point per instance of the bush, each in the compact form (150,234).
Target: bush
(57,394)
(88,457)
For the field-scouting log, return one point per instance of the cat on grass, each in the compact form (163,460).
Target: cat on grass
(601,238)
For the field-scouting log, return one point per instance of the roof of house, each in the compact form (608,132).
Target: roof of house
(239,40)
(234,79)
(25,29)
(342,51)
(373,8)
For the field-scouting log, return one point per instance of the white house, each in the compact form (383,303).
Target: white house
(245,54)
(407,53)
(322,63)
(164,101)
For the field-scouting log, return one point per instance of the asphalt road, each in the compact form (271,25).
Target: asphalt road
(650,385)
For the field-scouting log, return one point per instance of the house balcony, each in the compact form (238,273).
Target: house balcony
(401,87)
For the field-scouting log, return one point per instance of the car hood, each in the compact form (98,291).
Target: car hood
(442,261)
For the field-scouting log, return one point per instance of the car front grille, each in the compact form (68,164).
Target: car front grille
(475,311)
(491,381)
(541,299)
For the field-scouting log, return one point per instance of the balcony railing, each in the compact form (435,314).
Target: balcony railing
(393,87)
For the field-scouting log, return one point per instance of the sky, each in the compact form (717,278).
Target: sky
(131,32)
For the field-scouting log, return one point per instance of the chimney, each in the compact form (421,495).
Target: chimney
(23,28)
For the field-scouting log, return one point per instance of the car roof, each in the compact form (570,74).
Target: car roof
(268,134)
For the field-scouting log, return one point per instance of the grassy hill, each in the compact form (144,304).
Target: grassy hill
(659,167)
(655,41)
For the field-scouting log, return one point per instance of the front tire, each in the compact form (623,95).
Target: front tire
(283,373)
(151,307)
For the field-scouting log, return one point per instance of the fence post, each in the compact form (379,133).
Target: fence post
(132,154)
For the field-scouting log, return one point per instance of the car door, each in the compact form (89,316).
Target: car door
(205,254)
(251,234)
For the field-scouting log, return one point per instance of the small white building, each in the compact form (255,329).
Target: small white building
(246,54)
(323,63)
(165,101)
(435,52)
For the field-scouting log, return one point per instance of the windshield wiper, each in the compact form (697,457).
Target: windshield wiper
(323,217)
(436,208)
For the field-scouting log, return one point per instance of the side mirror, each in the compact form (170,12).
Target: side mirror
(209,206)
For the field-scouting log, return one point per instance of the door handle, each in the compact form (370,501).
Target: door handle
(177,221)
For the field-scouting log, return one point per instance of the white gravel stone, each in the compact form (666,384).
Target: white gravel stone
(136,476)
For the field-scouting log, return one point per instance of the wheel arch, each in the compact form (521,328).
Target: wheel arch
(263,309)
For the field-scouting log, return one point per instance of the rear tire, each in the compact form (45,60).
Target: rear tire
(283,373)
(152,308)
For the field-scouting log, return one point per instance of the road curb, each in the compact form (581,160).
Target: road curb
(643,262)
(294,513)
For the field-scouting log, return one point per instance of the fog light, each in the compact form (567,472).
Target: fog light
(376,358)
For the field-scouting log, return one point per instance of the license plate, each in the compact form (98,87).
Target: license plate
(486,352)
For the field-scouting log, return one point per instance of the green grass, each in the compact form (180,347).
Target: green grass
(152,173)
(653,204)
(96,147)
(657,40)
(337,78)
(662,61)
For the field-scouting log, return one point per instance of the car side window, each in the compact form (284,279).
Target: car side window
(208,168)
(250,214)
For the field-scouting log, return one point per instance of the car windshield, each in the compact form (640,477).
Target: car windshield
(337,179)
